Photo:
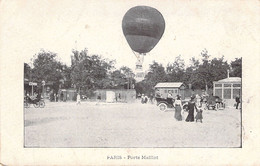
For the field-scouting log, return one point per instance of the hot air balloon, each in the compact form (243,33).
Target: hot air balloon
(143,27)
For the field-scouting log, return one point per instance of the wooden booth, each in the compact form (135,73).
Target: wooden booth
(175,88)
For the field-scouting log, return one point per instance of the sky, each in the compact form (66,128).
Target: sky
(222,27)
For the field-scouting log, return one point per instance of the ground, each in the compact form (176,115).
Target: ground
(66,124)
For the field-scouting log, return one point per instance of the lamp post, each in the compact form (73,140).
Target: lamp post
(43,83)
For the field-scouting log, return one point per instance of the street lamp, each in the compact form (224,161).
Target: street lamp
(43,83)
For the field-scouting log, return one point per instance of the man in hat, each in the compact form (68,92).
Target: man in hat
(237,101)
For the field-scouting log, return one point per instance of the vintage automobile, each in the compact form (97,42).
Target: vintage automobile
(37,102)
(166,103)
(215,103)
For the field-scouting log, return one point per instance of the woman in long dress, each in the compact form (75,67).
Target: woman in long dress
(191,107)
(178,108)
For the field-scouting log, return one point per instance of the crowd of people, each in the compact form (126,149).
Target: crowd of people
(193,105)
(196,103)
(197,106)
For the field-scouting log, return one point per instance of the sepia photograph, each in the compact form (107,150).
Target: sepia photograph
(171,93)
(129,75)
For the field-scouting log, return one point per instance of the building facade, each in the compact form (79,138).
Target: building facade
(228,89)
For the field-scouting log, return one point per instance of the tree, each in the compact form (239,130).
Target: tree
(89,72)
(128,75)
(47,68)
(121,78)
(66,74)
(118,79)
(27,71)
(204,72)
(79,75)
(218,68)
(143,88)
(236,68)
(176,70)
(155,75)
(191,74)
(99,69)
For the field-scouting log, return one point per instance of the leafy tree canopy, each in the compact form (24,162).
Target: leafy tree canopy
(236,68)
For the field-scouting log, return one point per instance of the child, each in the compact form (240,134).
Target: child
(199,114)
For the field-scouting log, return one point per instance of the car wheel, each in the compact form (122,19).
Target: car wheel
(36,105)
(26,105)
(42,104)
(162,107)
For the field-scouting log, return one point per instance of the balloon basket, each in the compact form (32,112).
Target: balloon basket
(139,73)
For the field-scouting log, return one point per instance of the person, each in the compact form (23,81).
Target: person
(139,96)
(204,97)
(78,99)
(51,97)
(61,96)
(65,97)
(169,95)
(178,108)
(119,97)
(57,97)
(158,94)
(237,101)
(191,107)
(144,99)
(198,99)
(116,97)
(39,96)
(98,99)
(199,114)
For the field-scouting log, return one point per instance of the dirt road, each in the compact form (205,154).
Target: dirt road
(127,125)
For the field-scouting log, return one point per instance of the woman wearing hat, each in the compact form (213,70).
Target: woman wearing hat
(178,108)
(191,107)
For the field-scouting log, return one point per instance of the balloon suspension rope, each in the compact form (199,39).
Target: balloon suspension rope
(140,57)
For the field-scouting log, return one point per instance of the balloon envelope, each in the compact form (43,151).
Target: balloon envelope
(143,27)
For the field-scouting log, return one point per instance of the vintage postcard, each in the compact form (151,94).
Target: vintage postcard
(129,82)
